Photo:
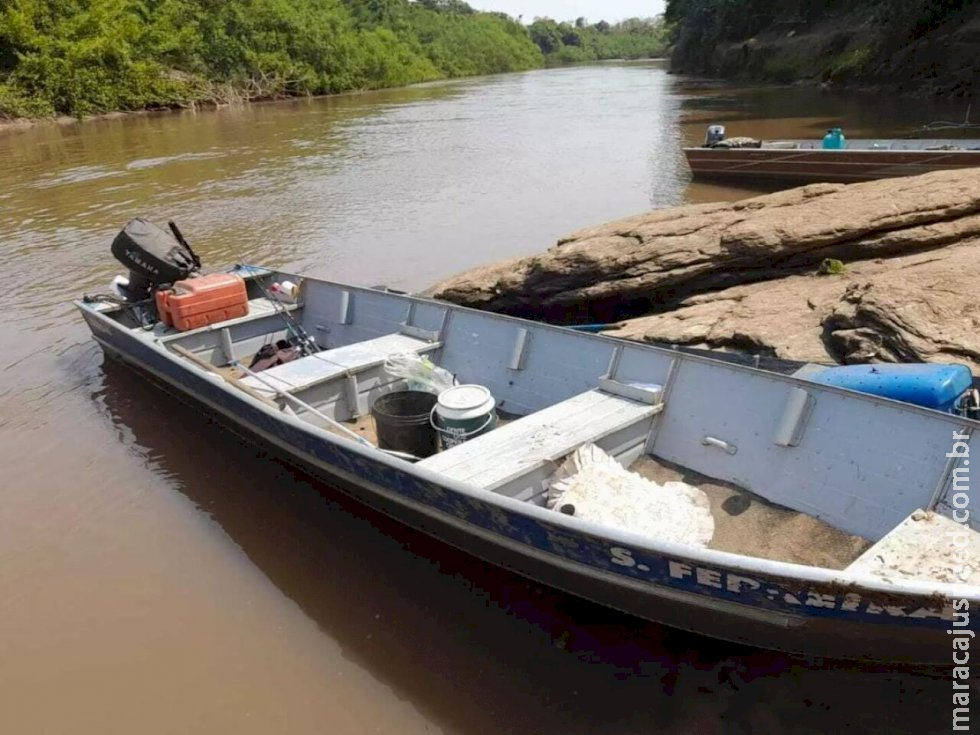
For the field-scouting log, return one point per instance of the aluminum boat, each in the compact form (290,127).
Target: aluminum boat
(879,478)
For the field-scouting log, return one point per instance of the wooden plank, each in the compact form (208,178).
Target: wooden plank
(376,351)
(545,436)
(303,372)
(311,370)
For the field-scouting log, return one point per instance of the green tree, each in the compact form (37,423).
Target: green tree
(85,56)
(630,39)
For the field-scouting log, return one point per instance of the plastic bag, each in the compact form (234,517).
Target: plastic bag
(420,372)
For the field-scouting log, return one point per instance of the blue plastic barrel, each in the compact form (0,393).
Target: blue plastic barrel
(931,386)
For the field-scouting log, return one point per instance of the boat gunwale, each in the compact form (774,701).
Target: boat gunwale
(702,359)
(815,147)
(843,579)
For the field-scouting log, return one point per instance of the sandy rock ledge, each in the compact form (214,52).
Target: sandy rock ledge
(745,275)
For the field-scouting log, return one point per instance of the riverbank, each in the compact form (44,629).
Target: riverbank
(877,271)
(13,125)
(80,59)
(26,123)
(924,49)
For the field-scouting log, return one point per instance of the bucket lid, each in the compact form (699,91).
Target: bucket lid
(463,402)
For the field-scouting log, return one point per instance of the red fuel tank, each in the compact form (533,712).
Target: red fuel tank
(198,302)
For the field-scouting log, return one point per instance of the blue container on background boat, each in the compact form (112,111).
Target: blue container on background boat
(931,386)
(834,140)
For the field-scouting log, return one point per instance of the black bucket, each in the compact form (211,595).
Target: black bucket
(402,422)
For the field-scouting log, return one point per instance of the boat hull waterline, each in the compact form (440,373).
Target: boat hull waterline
(811,165)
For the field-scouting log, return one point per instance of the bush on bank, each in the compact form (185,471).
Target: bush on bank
(78,57)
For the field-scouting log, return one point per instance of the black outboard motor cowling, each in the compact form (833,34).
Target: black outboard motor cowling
(153,256)
(714,135)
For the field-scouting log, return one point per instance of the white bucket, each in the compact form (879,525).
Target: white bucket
(463,412)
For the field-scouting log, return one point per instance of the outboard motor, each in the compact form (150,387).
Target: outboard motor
(969,405)
(715,134)
(153,256)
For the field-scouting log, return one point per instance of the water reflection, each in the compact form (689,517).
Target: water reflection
(804,112)
(470,644)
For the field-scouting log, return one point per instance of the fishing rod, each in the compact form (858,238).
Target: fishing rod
(183,241)
(306,342)
(938,125)
(290,398)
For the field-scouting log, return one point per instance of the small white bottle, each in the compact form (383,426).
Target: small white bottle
(285,291)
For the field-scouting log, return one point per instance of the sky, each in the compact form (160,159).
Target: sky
(593,10)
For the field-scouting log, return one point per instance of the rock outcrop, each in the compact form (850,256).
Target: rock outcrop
(744,275)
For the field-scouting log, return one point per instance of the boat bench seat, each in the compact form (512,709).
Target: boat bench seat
(919,548)
(517,457)
(258,309)
(307,372)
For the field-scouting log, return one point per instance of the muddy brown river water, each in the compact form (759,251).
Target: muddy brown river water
(157,575)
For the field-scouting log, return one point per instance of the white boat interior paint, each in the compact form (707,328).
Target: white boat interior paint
(307,372)
(838,461)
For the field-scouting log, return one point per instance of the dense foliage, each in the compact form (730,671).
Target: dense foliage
(635,38)
(86,56)
(699,25)
(79,57)
(738,19)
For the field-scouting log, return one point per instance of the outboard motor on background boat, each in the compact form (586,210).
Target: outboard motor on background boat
(153,256)
(715,134)
(969,405)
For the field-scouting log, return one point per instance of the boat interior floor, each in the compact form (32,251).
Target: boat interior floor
(519,457)
(230,372)
(744,522)
(362,425)
(747,524)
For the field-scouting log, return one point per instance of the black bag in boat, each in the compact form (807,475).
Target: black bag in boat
(271,355)
(152,255)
